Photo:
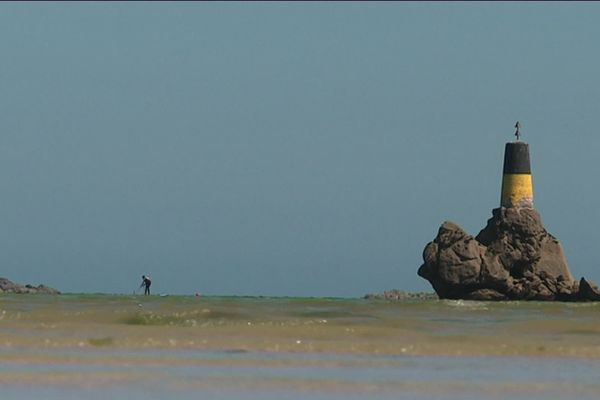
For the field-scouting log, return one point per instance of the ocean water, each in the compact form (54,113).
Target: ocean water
(185,347)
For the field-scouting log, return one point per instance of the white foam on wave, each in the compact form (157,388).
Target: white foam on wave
(468,304)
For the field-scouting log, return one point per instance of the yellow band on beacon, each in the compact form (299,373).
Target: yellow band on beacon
(517,190)
(517,184)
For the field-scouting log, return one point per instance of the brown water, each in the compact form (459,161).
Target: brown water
(94,346)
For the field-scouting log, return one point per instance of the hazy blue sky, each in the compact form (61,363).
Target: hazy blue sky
(284,148)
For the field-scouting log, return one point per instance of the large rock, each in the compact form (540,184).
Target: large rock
(512,258)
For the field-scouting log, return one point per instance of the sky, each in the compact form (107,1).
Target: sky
(284,149)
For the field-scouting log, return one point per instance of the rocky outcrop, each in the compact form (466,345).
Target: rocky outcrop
(512,258)
(399,295)
(7,286)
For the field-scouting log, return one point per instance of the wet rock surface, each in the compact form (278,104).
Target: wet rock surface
(512,258)
(7,286)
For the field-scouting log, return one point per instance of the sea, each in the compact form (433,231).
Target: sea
(82,346)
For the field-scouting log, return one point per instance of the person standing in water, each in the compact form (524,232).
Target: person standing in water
(146,282)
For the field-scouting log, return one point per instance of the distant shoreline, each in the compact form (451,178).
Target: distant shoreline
(9,287)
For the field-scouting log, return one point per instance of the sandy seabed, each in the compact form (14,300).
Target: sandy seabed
(96,346)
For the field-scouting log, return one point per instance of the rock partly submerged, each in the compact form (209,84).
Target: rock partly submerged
(512,258)
(399,295)
(7,286)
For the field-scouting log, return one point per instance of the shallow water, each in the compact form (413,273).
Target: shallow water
(135,347)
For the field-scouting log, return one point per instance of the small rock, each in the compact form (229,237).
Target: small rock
(7,286)
(398,295)
(588,291)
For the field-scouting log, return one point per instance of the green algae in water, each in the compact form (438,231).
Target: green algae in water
(186,318)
